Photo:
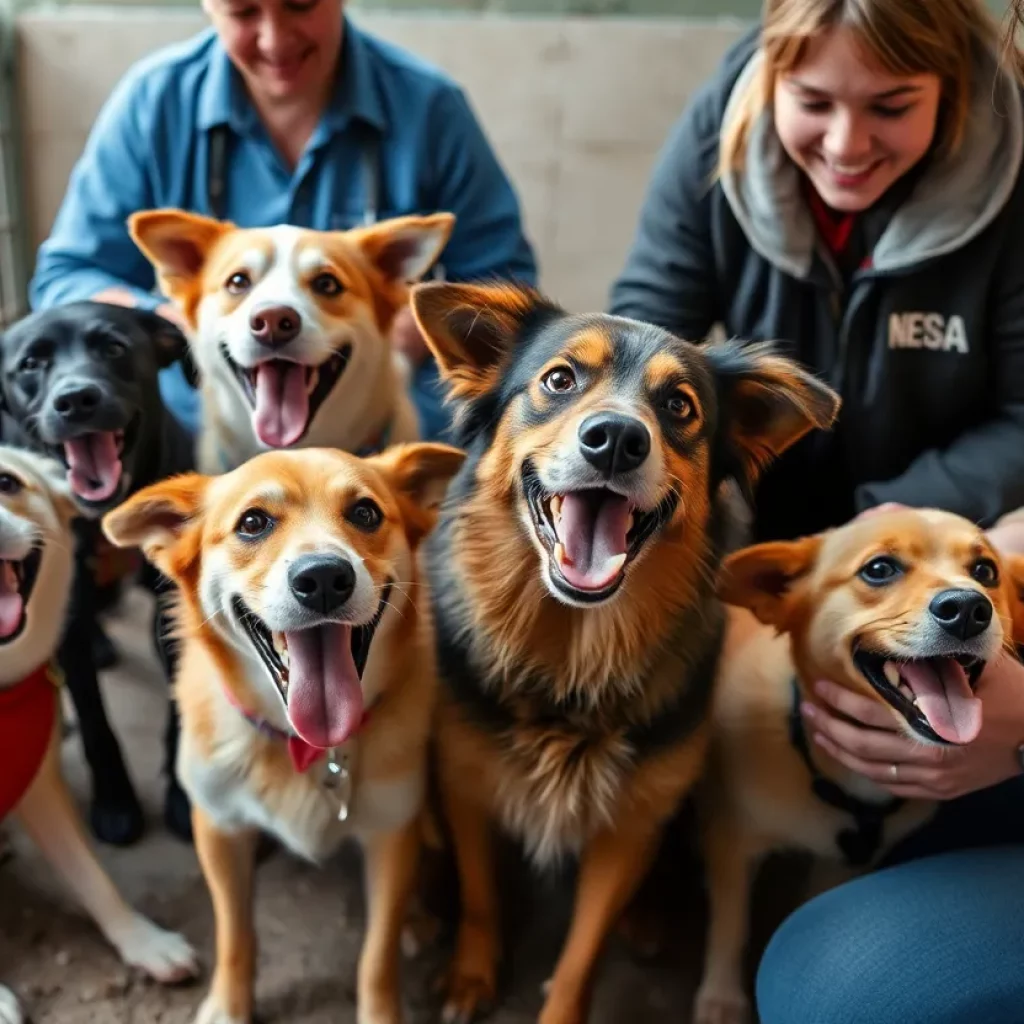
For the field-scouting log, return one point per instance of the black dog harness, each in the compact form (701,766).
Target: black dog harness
(860,843)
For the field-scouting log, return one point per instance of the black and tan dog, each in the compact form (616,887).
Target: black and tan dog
(573,572)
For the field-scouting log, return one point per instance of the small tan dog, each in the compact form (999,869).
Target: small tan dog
(905,607)
(36,509)
(307,682)
(289,328)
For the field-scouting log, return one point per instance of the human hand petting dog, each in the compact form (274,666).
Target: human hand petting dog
(866,742)
(123,297)
(407,337)
(871,746)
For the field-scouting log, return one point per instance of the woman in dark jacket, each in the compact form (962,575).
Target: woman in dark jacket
(849,185)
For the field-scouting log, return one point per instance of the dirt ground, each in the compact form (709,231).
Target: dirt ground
(309,920)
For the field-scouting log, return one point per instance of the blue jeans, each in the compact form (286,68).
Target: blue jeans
(935,937)
(427,397)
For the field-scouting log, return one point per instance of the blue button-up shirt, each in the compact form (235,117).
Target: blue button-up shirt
(150,147)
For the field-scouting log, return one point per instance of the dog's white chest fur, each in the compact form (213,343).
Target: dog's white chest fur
(297,808)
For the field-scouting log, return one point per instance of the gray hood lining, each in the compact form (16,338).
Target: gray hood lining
(955,200)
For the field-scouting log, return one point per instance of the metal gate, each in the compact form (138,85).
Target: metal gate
(13,279)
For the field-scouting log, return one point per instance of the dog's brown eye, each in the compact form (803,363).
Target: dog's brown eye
(880,571)
(986,572)
(680,407)
(10,484)
(326,284)
(30,364)
(559,380)
(253,523)
(238,283)
(115,349)
(365,514)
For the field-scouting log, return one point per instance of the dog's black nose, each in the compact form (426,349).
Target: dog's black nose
(963,613)
(275,325)
(614,443)
(322,583)
(77,403)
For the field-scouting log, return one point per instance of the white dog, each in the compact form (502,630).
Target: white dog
(35,580)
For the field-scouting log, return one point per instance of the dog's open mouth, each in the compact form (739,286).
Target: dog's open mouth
(591,535)
(935,695)
(95,461)
(285,395)
(17,578)
(317,671)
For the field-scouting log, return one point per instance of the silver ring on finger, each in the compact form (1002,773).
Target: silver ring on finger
(894,771)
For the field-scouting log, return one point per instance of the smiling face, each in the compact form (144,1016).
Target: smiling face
(906,607)
(294,560)
(288,321)
(604,435)
(80,380)
(851,126)
(285,50)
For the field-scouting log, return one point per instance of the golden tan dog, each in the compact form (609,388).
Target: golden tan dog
(905,607)
(307,680)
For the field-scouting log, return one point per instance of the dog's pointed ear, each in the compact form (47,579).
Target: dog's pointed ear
(159,519)
(761,578)
(169,342)
(178,245)
(471,329)
(403,249)
(768,403)
(420,473)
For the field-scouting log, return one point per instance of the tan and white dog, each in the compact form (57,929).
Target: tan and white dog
(289,328)
(36,544)
(904,607)
(307,680)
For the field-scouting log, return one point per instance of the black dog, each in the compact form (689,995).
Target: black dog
(79,382)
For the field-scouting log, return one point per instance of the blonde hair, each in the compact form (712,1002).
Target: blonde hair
(906,37)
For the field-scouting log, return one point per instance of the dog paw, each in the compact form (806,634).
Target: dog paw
(211,1012)
(165,956)
(469,997)
(421,931)
(117,822)
(178,812)
(10,1008)
(720,1005)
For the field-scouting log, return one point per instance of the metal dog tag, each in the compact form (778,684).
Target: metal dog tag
(338,779)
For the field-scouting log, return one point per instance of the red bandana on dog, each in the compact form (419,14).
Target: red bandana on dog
(27,714)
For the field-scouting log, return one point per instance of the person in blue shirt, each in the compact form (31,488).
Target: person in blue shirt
(283,111)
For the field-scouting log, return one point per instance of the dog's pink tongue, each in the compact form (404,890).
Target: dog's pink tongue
(11,605)
(592,529)
(945,698)
(94,466)
(325,697)
(282,404)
